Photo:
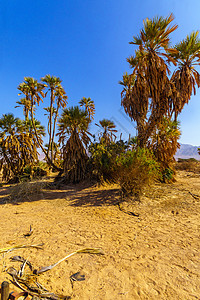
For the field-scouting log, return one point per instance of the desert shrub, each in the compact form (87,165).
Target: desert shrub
(135,170)
(190,165)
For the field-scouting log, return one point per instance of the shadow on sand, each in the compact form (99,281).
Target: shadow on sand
(84,194)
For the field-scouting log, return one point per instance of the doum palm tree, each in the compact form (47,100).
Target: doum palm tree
(107,135)
(58,95)
(89,106)
(17,147)
(74,135)
(185,77)
(147,89)
(34,94)
(149,94)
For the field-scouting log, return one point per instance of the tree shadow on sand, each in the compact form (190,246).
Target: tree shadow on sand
(84,194)
(96,198)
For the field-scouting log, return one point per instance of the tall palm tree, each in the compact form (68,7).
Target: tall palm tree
(17,148)
(34,91)
(185,77)
(147,89)
(74,135)
(26,103)
(89,106)
(57,93)
(108,130)
(29,128)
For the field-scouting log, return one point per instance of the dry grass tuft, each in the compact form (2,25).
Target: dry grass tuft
(26,189)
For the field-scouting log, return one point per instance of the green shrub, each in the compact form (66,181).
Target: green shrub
(136,169)
(103,158)
(37,171)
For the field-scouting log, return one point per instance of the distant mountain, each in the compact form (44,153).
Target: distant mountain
(187,151)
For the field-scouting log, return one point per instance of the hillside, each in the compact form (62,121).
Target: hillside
(187,151)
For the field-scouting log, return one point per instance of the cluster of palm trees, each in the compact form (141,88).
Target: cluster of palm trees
(150,96)
(17,146)
(68,131)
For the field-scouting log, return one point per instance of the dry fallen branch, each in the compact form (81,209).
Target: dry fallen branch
(85,250)
(29,282)
(21,259)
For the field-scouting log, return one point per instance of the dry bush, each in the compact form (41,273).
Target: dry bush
(132,180)
(25,189)
(136,169)
(189,165)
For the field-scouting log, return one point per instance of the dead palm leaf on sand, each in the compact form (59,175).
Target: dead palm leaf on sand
(85,250)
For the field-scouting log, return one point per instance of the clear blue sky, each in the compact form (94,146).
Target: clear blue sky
(86,44)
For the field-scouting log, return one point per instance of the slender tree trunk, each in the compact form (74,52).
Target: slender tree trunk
(54,129)
(39,143)
(50,146)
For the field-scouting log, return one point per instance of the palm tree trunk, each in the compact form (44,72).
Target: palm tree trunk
(39,143)
(50,146)
(54,129)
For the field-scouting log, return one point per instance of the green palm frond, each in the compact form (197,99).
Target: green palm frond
(108,128)
(89,106)
(188,49)
(155,33)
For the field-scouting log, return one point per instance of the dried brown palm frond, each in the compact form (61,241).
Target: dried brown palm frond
(85,250)
(28,281)
(185,78)
(73,125)
(11,248)
(145,99)
(74,159)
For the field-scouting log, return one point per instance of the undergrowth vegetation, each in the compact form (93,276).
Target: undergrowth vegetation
(132,168)
(135,170)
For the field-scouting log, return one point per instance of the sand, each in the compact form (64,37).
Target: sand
(153,256)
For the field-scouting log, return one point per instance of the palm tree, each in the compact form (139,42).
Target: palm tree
(89,106)
(56,93)
(29,128)
(108,128)
(185,77)
(34,91)
(147,89)
(26,103)
(17,148)
(74,135)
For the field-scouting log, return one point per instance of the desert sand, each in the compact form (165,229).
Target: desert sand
(151,256)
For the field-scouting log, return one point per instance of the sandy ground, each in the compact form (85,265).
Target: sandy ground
(153,256)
